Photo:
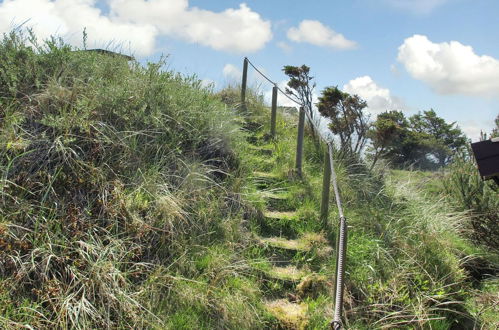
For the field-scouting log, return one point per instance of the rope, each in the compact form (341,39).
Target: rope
(336,324)
(273,83)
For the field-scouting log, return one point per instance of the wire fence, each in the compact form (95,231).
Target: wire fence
(341,241)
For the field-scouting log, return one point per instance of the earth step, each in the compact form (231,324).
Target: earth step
(288,215)
(286,244)
(266,150)
(290,315)
(265,175)
(274,195)
(283,249)
(263,180)
(287,273)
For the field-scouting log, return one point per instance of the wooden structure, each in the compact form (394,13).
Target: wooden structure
(487,157)
(109,53)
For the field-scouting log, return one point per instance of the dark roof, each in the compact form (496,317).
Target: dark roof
(487,157)
(110,53)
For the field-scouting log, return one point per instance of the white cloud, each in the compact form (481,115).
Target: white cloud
(473,129)
(450,67)
(378,99)
(69,18)
(316,33)
(233,30)
(285,47)
(208,83)
(417,6)
(282,100)
(136,24)
(231,72)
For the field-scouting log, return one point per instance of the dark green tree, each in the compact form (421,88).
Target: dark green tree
(301,87)
(443,139)
(385,130)
(424,140)
(348,119)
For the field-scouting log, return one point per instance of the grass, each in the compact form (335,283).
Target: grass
(129,199)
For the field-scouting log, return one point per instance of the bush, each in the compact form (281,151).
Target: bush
(467,191)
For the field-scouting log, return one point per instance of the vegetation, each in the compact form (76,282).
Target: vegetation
(423,140)
(131,197)
(348,120)
(301,87)
(468,192)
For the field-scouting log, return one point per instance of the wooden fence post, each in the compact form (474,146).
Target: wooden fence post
(326,183)
(273,116)
(299,142)
(243,83)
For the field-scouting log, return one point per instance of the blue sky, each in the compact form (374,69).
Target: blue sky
(410,55)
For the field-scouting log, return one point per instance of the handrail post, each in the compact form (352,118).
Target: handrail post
(273,116)
(243,83)
(326,184)
(299,142)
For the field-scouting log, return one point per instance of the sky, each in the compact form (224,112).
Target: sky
(408,55)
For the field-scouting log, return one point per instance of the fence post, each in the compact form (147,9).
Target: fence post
(243,83)
(299,142)
(274,112)
(326,183)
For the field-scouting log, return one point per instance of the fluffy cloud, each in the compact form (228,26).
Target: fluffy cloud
(282,100)
(234,30)
(136,24)
(316,33)
(231,72)
(417,6)
(68,18)
(378,99)
(285,47)
(450,67)
(474,129)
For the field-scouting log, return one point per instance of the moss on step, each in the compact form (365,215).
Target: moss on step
(287,273)
(273,195)
(286,244)
(265,150)
(287,215)
(290,315)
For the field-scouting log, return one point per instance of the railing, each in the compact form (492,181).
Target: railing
(328,177)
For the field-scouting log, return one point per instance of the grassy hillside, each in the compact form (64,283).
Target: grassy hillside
(131,197)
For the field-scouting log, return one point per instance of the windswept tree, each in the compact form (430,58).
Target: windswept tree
(445,139)
(424,140)
(301,87)
(348,119)
(384,131)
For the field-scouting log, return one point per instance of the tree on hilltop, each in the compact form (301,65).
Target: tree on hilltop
(348,119)
(301,87)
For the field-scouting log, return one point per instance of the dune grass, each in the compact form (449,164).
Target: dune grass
(128,199)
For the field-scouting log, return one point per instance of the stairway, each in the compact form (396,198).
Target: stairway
(291,254)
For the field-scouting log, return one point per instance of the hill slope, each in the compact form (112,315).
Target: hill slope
(131,197)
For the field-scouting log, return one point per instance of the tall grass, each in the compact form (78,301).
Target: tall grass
(114,177)
(126,201)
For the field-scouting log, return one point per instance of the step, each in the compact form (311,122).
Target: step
(286,244)
(280,215)
(290,315)
(287,273)
(274,195)
(265,179)
(265,175)
(265,150)
(310,245)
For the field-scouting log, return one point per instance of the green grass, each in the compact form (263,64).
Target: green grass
(128,200)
